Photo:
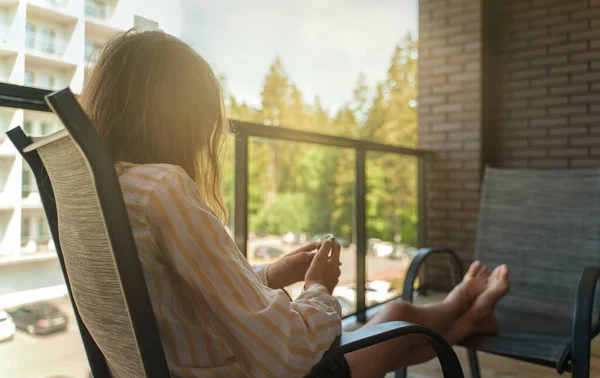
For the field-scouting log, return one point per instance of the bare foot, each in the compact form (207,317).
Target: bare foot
(487,326)
(473,284)
(498,285)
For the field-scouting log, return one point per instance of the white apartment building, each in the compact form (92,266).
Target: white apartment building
(51,44)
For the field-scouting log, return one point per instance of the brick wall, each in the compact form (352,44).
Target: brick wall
(548,111)
(540,106)
(450,120)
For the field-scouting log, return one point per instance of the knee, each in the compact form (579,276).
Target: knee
(401,310)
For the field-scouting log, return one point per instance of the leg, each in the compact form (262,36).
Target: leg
(405,351)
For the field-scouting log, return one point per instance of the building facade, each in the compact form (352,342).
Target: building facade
(50,44)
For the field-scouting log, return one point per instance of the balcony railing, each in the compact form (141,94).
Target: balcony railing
(363,291)
(58,3)
(37,243)
(46,45)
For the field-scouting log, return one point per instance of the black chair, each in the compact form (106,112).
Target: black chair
(545,224)
(89,222)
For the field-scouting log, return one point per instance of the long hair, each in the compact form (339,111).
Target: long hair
(153,99)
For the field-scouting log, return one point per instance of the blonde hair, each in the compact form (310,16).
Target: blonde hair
(153,99)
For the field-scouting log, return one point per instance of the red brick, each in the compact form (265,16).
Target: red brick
(570,152)
(568,48)
(568,130)
(585,77)
(549,163)
(568,68)
(548,121)
(448,108)
(574,109)
(589,55)
(568,6)
(549,101)
(585,141)
(550,81)
(588,99)
(585,119)
(545,40)
(569,89)
(549,61)
(529,153)
(584,162)
(585,14)
(549,142)
(586,34)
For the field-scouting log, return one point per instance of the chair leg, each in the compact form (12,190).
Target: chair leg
(473,363)
(400,373)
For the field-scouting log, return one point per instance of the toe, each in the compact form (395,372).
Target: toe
(474,268)
(483,273)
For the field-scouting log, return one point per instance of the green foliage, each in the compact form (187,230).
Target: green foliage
(288,212)
(309,188)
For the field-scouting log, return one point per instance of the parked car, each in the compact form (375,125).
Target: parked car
(7,327)
(376,292)
(379,248)
(402,251)
(347,307)
(290,238)
(266,251)
(39,318)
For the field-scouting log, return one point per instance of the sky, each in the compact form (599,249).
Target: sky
(324,44)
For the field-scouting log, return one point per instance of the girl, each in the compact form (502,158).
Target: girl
(158,107)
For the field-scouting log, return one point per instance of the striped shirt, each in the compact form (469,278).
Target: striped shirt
(217,316)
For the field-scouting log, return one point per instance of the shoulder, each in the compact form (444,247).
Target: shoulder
(150,177)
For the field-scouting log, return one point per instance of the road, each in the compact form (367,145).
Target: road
(62,356)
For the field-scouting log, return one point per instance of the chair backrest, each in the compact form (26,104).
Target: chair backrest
(22,141)
(98,246)
(545,224)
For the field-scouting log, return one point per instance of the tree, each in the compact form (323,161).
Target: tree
(310,188)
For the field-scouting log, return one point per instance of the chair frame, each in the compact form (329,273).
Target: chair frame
(579,362)
(128,265)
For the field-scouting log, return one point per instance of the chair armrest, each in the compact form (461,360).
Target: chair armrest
(378,333)
(582,321)
(418,260)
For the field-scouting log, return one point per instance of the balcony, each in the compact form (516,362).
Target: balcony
(525,96)
(37,244)
(30,197)
(47,52)
(98,18)
(55,11)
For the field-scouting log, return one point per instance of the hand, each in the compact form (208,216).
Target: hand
(292,267)
(325,267)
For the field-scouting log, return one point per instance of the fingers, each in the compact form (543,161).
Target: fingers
(323,253)
(335,252)
(306,248)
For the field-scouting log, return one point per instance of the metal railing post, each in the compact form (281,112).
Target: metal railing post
(360,226)
(240,196)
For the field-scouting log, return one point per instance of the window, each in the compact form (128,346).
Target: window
(29,78)
(27,127)
(45,128)
(25,224)
(144,23)
(90,47)
(3,176)
(30,36)
(41,231)
(46,81)
(48,40)
(96,8)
